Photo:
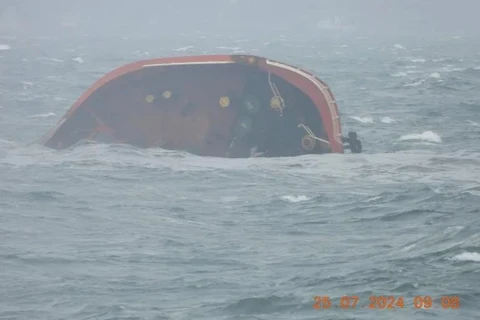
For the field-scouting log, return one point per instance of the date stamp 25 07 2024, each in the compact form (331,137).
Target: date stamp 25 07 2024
(387,302)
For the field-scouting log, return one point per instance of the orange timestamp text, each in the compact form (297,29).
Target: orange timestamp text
(387,302)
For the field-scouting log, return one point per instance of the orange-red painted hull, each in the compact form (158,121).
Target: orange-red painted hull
(194,103)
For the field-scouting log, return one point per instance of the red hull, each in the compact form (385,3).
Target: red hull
(194,103)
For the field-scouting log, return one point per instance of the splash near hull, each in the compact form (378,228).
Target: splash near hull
(211,105)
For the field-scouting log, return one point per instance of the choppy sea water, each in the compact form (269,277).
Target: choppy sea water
(114,232)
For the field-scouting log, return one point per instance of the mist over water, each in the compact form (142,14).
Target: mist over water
(114,232)
(313,18)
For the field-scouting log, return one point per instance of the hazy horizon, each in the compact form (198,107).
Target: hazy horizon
(319,18)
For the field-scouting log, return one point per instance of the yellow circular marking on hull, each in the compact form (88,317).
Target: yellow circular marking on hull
(308,143)
(149,98)
(251,60)
(224,102)
(276,102)
(167,94)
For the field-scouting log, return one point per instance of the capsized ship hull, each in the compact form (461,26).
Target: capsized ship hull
(210,105)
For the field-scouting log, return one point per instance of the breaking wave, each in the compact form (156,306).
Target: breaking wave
(468,256)
(428,136)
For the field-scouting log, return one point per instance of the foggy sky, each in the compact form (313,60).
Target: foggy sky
(161,17)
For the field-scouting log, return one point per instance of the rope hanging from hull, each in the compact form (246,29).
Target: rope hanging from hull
(311,134)
(276,94)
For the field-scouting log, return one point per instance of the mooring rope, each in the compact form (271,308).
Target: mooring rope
(276,93)
(310,133)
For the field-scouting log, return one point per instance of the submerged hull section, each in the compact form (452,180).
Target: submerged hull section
(224,105)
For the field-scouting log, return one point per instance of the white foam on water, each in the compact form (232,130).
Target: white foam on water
(363,119)
(475,124)
(453,230)
(428,136)
(399,74)
(50,59)
(43,115)
(4,47)
(418,60)
(434,75)
(295,199)
(228,48)
(450,68)
(408,248)
(6,142)
(399,46)
(387,120)
(373,199)
(229,199)
(416,83)
(184,48)
(140,53)
(467,256)
(78,59)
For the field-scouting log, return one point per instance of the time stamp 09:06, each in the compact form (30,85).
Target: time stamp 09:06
(387,302)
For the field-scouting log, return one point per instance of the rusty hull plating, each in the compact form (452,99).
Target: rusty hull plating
(210,105)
